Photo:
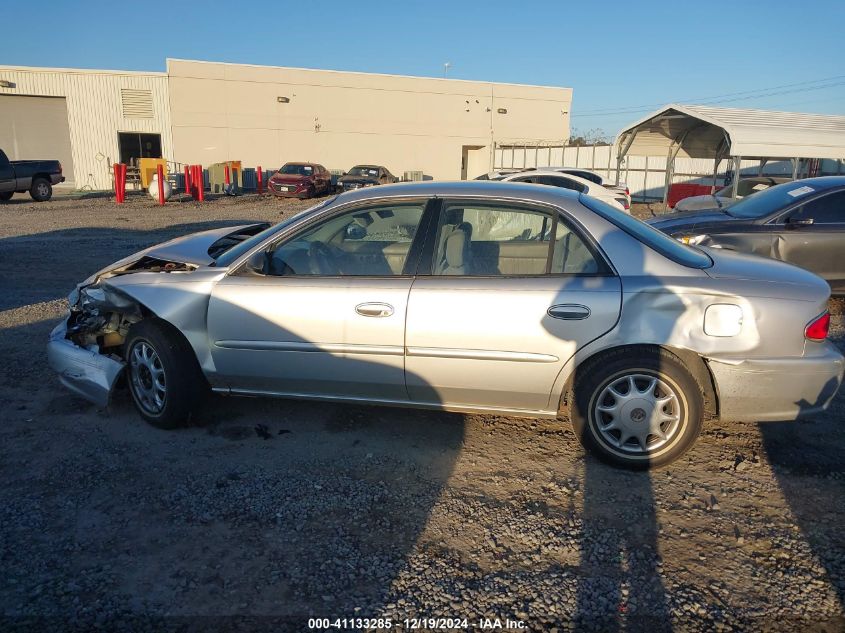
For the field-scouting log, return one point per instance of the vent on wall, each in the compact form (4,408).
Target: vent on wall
(137,104)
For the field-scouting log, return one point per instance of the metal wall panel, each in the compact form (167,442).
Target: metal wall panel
(95,114)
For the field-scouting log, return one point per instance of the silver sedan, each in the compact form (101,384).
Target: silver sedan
(476,296)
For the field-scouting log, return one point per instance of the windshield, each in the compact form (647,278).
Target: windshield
(294,169)
(669,247)
(769,200)
(364,171)
(234,253)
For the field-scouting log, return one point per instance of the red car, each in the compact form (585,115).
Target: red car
(300,180)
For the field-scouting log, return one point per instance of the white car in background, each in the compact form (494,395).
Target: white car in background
(555,178)
(592,176)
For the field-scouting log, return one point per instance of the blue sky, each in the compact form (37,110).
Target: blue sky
(621,58)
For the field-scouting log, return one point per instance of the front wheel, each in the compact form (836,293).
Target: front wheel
(41,190)
(6,195)
(637,408)
(164,377)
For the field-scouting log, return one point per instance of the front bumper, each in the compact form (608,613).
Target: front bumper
(777,389)
(86,373)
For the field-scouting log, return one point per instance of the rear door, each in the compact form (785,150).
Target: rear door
(812,236)
(511,292)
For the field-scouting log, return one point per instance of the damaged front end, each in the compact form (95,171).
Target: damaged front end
(85,348)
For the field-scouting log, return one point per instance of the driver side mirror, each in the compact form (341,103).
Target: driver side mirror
(257,263)
(806,222)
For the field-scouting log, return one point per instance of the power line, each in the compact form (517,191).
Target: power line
(717,98)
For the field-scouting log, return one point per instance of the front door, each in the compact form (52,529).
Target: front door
(811,237)
(327,315)
(514,291)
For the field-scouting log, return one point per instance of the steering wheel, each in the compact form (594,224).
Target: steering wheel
(321,260)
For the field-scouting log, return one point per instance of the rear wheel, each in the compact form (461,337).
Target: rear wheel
(637,408)
(41,190)
(6,195)
(164,377)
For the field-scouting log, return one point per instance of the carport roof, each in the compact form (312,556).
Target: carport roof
(709,132)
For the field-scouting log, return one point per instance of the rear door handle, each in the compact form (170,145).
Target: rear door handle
(374,309)
(569,312)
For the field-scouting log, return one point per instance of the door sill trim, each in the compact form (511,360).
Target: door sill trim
(410,404)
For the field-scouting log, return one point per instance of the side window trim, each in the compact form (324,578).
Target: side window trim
(557,214)
(276,241)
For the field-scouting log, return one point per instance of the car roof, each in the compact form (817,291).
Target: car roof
(464,188)
(366,166)
(551,172)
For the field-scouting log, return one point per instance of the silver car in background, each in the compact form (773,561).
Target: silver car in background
(477,296)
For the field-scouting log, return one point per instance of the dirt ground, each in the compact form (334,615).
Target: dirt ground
(358,512)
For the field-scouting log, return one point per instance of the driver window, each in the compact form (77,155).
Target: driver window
(372,241)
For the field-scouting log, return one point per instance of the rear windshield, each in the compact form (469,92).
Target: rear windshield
(670,248)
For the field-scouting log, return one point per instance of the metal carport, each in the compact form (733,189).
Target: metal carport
(697,131)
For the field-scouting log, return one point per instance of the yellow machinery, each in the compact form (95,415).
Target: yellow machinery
(148,168)
(217,175)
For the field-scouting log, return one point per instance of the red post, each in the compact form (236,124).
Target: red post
(259,175)
(160,172)
(200,184)
(187,180)
(116,183)
(227,177)
(119,183)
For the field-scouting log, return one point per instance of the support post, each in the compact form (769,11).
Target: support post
(187,180)
(259,179)
(795,169)
(200,184)
(735,183)
(227,177)
(118,194)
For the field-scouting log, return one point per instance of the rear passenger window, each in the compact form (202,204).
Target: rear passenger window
(506,241)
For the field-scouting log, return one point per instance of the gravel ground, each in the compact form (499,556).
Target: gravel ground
(345,512)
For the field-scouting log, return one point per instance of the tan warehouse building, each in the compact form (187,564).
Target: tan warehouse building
(203,112)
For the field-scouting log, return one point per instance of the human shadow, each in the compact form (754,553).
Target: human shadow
(806,458)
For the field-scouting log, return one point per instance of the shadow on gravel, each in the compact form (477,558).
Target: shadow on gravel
(807,460)
(44,266)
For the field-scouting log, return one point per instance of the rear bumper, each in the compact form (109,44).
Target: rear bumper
(777,389)
(86,373)
(56,179)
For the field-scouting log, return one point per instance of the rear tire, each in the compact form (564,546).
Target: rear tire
(164,377)
(6,195)
(41,190)
(637,408)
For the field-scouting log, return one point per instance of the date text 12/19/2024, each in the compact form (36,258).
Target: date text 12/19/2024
(417,624)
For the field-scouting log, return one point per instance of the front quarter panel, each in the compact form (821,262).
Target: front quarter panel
(181,300)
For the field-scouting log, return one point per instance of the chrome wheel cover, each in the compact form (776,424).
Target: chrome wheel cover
(146,377)
(42,189)
(638,414)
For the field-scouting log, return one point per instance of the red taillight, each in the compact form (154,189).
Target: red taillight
(627,191)
(626,205)
(818,328)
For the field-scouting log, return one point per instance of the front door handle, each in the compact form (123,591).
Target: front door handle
(374,309)
(569,311)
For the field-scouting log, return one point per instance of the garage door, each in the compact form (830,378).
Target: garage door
(36,128)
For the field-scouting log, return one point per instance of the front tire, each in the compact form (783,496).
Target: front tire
(6,195)
(41,190)
(164,377)
(637,408)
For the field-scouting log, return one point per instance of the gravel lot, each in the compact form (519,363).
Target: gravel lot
(363,512)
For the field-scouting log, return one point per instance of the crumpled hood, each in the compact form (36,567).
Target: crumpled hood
(188,249)
(689,221)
